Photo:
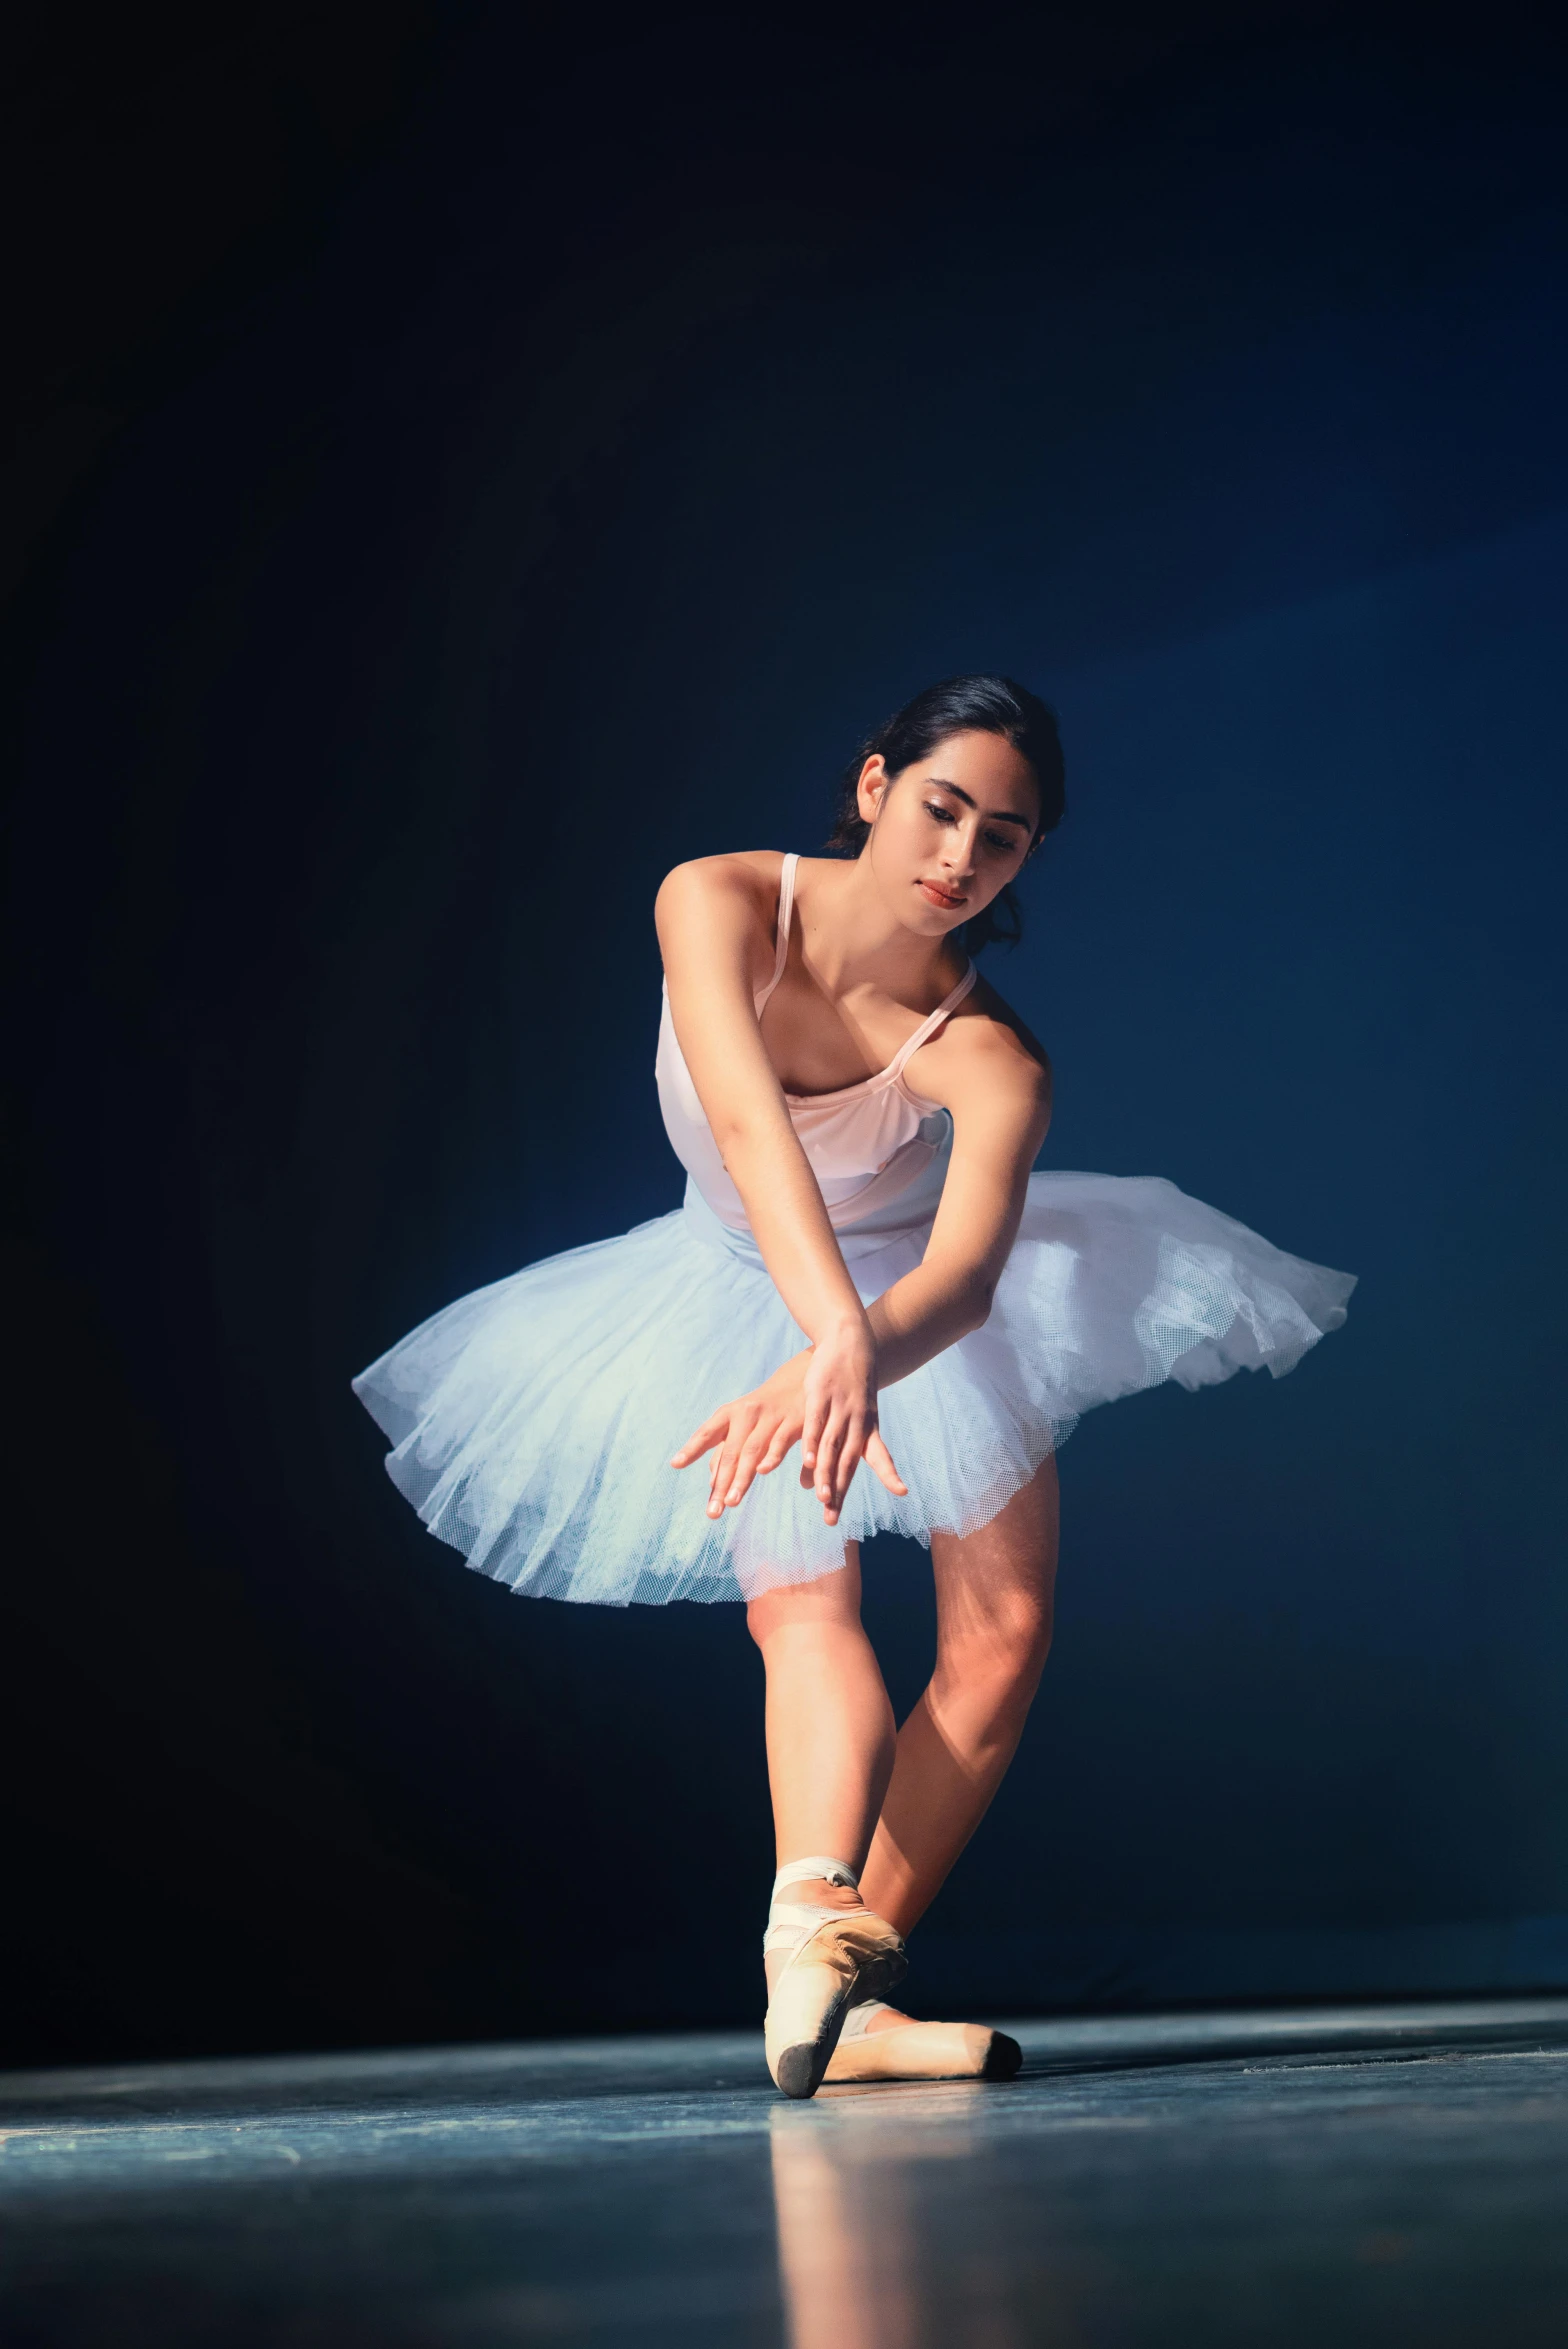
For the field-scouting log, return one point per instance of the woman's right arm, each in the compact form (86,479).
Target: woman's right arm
(709,914)
(708,919)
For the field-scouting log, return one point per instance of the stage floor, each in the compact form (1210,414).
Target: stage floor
(1323,2178)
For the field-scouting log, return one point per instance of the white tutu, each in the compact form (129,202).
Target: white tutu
(534,1421)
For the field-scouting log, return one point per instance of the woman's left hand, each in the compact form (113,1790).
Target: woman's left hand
(751,1436)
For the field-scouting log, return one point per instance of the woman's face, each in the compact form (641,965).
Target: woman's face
(950,831)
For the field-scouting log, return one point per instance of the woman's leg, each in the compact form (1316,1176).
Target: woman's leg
(829,1726)
(993,1599)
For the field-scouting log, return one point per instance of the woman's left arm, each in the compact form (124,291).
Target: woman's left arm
(997,1090)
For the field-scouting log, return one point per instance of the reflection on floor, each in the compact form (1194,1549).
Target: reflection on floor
(1373,2175)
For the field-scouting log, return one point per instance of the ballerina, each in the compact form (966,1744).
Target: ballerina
(867,1268)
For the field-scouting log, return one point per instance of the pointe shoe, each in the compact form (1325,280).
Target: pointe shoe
(835,1956)
(919,2051)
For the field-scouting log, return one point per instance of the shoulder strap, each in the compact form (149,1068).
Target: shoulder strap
(928,1027)
(786,909)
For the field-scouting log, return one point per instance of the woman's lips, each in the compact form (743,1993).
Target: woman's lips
(941,897)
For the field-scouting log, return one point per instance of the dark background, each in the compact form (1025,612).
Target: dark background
(466,461)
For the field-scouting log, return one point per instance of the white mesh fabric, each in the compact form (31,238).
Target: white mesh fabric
(533,1422)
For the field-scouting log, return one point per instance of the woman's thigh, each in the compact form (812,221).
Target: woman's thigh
(996,1586)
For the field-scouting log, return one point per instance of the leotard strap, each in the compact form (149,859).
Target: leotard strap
(928,1028)
(786,909)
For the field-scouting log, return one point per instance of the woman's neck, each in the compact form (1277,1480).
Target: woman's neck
(850,937)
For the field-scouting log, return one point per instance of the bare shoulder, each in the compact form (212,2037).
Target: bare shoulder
(985,1051)
(724,904)
(987,1029)
(747,878)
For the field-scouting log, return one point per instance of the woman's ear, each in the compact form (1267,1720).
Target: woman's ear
(869,790)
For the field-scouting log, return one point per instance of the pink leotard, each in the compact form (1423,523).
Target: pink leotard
(866,1143)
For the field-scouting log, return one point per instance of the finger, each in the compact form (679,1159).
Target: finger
(732,1475)
(724,1472)
(811,1433)
(783,1436)
(880,1462)
(710,1433)
(848,1460)
(827,1456)
(822,1475)
(780,1448)
(850,1454)
(750,1453)
(718,1478)
(821,1456)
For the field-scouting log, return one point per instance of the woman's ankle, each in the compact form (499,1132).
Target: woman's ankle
(815,1892)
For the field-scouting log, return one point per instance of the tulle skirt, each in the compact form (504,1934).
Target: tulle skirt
(533,1422)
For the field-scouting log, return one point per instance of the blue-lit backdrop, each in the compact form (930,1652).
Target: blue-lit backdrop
(569,505)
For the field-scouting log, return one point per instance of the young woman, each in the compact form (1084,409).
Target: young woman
(869,1315)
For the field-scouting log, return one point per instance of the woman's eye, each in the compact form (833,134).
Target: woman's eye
(943,815)
(999,840)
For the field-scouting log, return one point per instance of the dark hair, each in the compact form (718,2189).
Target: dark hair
(963,705)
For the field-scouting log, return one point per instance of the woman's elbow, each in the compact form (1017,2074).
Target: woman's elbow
(745,1137)
(980,1296)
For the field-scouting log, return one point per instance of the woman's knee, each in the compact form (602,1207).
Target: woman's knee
(1002,1647)
(827,1606)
